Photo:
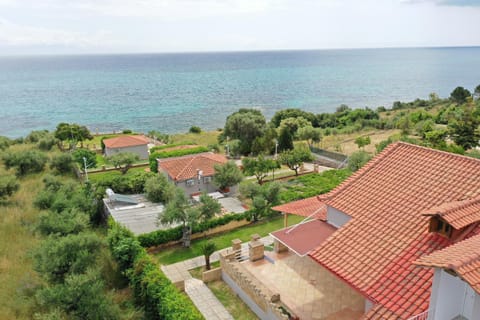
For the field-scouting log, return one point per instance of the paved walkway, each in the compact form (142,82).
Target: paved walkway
(199,293)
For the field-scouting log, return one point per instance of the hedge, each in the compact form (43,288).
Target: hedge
(174,153)
(151,288)
(159,237)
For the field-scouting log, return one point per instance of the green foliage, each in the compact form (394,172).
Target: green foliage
(263,198)
(72,254)
(459,95)
(295,158)
(124,160)
(311,134)
(36,135)
(244,125)
(90,157)
(195,129)
(46,143)
(127,131)
(158,189)
(151,287)
(173,153)
(5,143)
(293,124)
(73,133)
(25,162)
(464,130)
(161,137)
(62,163)
(208,207)
(69,221)
(259,167)
(227,175)
(285,140)
(130,183)
(159,237)
(476,93)
(361,142)
(81,297)
(312,184)
(264,144)
(208,249)
(291,113)
(8,186)
(358,159)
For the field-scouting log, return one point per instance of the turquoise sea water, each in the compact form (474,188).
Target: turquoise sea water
(171,92)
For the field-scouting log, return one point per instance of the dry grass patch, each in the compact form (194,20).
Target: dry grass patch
(345,143)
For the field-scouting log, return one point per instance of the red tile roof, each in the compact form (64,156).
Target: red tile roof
(186,167)
(304,237)
(125,141)
(305,208)
(374,251)
(462,257)
(458,213)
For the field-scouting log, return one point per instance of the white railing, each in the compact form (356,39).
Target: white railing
(421,316)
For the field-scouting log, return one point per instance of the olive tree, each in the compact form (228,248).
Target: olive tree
(123,160)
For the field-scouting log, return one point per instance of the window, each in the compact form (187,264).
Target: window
(440,226)
(207,179)
(190,182)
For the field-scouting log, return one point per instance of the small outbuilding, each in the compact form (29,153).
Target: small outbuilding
(136,144)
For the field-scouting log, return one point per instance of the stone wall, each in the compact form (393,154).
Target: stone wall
(268,302)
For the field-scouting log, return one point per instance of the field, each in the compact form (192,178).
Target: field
(345,143)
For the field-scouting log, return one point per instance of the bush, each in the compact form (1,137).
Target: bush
(31,161)
(36,135)
(62,163)
(90,158)
(127,131)
(47,143)
(195,129)
(151,287)
(5,142)
(8,186)
(358,159)
(70,221)
(159,237)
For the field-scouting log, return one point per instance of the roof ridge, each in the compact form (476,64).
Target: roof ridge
(185,167)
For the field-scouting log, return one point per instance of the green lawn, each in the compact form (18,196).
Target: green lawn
(204,138)
(237,308)
(101,176)
(224,240)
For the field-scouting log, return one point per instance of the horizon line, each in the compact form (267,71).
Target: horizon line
(232,51)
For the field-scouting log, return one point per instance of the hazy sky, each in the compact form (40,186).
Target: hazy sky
(103,26)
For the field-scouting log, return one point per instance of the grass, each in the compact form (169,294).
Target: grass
(345,143)
(18,238)
(204,138)
(197,272)
(237,308)
(177,253)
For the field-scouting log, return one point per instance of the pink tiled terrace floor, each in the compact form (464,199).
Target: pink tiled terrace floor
(308,289)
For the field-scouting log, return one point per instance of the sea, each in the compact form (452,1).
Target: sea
(172,92)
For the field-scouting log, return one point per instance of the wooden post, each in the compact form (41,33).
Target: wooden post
(285,219)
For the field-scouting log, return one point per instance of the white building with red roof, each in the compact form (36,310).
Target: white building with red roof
(362,244)
(193,173)
(135,144)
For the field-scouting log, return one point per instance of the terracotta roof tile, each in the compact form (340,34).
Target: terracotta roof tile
(462,257)
(125,141)
(458,213)
(374,251)
(184,168)
(305,208)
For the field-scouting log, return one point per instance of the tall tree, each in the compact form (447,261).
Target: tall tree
(227,175)
(295,158)
(285,139)
(158,189)
(179,210)
(459,95)
(263,197)
(245,125)
(311,134)
(72,133)
(208,207)
(464,130)
(259,167)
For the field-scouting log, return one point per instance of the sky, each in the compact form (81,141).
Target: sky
(135,26)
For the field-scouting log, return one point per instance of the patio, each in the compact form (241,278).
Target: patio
(306,287)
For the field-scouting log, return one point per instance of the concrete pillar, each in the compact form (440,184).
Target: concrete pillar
(236,244)
(256,250)
(285,219)
(279,247)
(255,237)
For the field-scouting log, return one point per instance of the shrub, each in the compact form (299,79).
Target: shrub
(63,163)
(30,161)
(70,221)
(8,186)
(358,159)
(47,143)
(90,157)
(127,131)
(36,135)
(195,129)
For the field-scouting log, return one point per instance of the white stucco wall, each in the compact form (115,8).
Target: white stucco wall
(142,151)
(451,297)
(336,217)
